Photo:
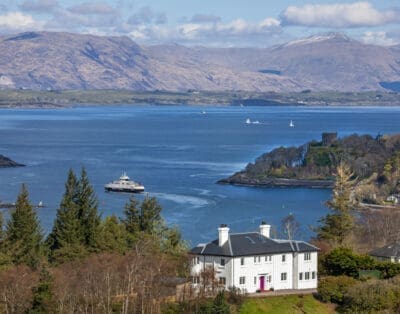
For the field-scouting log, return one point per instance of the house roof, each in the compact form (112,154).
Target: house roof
(252,243)
(391,250)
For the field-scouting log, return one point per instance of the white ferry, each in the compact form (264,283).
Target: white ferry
(124,184)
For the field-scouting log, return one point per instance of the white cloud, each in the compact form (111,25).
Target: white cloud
(17,21)
(378,38)
(238,32)
(357,14)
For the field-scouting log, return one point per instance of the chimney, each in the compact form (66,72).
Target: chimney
(265,229)
(223,234)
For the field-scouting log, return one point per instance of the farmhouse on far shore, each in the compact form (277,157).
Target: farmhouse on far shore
(255,262)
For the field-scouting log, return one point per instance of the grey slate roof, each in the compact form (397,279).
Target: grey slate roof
(252,243)
(391,250)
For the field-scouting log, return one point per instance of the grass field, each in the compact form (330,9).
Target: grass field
(285,304)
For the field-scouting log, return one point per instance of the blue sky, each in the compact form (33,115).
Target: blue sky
(221,23)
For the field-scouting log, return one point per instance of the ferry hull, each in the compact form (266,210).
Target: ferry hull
(127,190)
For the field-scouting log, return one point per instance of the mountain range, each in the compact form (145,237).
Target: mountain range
(325,62)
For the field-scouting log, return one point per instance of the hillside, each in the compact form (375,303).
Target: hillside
(46,60)
(374,161)
(327,62)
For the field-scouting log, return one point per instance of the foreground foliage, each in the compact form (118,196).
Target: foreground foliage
(285,304)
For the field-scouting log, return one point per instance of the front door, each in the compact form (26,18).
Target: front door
(262,283)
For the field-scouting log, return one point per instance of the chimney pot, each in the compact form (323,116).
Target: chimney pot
(223,234)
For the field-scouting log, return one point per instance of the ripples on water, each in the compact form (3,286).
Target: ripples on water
(179,154)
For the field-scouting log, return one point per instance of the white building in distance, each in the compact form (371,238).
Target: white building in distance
(254,262)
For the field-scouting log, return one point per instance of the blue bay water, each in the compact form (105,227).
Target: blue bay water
(178,153)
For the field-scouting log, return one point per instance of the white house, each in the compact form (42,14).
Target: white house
(255,262)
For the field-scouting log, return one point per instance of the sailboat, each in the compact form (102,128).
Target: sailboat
(248,121)
(291,124)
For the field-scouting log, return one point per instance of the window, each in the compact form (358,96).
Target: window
(196,279)
(307,256)
(300,276)
(242,280)
(307,275)
(257,259)
(255,281)
(313,275)
(242,261)
(222,261)
(283,258)
(222,280)
(283,276)
(197,260)
(268,258)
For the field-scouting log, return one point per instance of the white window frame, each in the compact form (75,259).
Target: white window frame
(283,276)
(307,256)
(268,258)
(242,280)
(283,258)
(222,280)
(242,261)
(223,262)
(300,276)
(307,275)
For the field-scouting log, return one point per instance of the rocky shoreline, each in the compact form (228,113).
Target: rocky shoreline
(278,182)
(6,162)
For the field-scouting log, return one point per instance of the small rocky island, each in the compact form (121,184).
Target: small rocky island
(6,162)
(375,162)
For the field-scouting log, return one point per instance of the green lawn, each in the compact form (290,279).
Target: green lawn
(285,304)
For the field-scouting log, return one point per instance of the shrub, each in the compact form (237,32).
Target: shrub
(342,261)
(333,289)
(373,296)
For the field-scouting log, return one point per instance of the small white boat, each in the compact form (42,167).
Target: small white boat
(40,204)
(256,122)
(291,124)
(124,184)
(248,121)
(203,112)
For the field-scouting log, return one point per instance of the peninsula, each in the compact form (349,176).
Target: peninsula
(6,162)
(374,161)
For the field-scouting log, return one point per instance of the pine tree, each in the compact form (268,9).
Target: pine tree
(88,212)
(66,239)
(23,234)
(112,236)
(150,215)
(43,298)
(131,218)
(338,225)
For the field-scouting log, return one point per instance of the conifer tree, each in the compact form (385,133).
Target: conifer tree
(150,215)
(112,236)
(131,218)
(43,298)
(337,226)
(66,239)
(23,234)
(88,212)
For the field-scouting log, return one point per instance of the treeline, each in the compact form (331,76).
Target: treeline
(86,263)
(354,281)
(364,154)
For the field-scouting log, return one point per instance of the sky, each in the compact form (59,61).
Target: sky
(215,23)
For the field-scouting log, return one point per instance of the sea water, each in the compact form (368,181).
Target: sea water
(178,153)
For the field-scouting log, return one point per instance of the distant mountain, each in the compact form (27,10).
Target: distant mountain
(46,60)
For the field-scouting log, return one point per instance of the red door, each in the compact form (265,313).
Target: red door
(262,282)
